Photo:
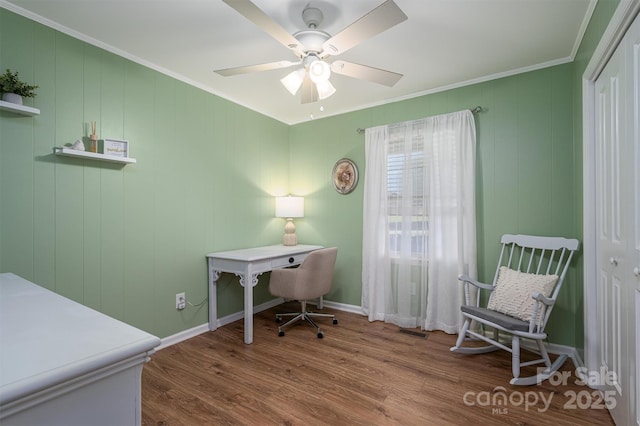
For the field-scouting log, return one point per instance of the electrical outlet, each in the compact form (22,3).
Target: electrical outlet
(181,301)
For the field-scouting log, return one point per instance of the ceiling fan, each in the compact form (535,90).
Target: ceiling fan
(313,47)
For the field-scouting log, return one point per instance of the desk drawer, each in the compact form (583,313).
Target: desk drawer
(284,261)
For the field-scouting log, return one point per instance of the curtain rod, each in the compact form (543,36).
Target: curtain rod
(360,130)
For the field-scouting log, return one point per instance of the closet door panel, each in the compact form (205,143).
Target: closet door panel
(633,270)
(616,218)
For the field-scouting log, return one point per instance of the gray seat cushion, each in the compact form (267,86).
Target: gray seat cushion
(503,320)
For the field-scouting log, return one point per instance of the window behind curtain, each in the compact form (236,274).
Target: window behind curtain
(406,196)
(419,186)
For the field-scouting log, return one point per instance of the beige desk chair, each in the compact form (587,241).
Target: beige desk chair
(310,280)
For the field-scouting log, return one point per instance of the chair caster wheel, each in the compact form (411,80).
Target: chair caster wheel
(281,333)
(320,335)
(335,321)
(278,319)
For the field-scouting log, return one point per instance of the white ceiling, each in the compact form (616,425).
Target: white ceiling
(442,44)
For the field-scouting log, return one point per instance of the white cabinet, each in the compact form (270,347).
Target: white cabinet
(63,363)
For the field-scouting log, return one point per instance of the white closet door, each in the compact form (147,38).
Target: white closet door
(633,269)
(610,231)
(617,236)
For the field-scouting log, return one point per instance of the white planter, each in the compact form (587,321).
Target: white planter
(12,97)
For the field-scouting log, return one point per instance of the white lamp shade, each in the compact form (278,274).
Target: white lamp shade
(293,80)
(325,89)
(319,71)
(289,207)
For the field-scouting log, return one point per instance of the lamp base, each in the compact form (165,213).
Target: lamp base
(290,238)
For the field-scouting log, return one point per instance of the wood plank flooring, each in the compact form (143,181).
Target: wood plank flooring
(361,373)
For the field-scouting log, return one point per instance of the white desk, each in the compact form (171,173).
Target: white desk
(62,363)
(248,264)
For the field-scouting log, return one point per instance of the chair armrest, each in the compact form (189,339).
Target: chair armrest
(468,279)
(541,298)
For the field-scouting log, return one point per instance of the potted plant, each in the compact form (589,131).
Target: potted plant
(13,90)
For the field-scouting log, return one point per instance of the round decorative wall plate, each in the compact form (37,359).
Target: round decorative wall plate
(345,176)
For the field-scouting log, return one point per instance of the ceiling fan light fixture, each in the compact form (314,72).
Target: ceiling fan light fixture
(293,80)
(313,46)
(325,89)
(319,71)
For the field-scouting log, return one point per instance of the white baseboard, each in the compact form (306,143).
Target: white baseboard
(240,315)
(203,328)
(182,336)
(556,349)
(344,307)
(552,348)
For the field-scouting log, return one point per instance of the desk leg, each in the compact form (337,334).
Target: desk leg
(213,299)
(248,303)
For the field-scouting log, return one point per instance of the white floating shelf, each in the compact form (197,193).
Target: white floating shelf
(19,109)
(68,152)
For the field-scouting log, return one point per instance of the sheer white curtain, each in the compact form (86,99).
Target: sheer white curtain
(419,222)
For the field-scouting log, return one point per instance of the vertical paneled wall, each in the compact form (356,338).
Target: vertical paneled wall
(125,239)
(525,172)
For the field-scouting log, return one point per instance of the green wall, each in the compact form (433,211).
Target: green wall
(125,239)
(529,169)
(525,177)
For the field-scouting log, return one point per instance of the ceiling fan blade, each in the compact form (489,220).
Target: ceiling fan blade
(364,72)
(309,91)
(253,13)
(256,68)
(380,19)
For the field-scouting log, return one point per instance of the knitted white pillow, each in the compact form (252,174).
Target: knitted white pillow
(512,295)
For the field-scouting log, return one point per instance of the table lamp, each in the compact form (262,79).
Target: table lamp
(289,207)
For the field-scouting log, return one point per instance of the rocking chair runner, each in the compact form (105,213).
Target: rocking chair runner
(525,287)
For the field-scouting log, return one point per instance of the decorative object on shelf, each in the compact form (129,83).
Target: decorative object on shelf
(78,145)
(93,138)
(289,207)
(116,148)
(13,90)
(345,176)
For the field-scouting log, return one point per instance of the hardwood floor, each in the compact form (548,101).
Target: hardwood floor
(361,373)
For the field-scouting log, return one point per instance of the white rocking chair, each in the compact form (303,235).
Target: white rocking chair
(522,298)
